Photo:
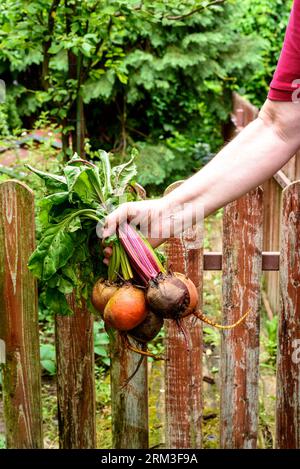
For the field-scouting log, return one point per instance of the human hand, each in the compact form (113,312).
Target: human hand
(154,218)
(158,219)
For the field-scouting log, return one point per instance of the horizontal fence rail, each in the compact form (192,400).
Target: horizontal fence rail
(214,261)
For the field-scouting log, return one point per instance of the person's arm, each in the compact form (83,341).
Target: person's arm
(257,153)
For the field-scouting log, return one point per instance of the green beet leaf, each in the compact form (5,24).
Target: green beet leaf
(57,303)
(68,257)
(54,250)
(52,181)
(123,174)
(47,203)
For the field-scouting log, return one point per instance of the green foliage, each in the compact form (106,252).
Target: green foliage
(101,344)
(147,75)
(48,360)
(68,255)
(4,130)
(157,72)
(163,163)
(211,336)
(2,442)
(269,342)
(268,19)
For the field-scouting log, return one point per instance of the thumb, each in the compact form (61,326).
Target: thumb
(114,219)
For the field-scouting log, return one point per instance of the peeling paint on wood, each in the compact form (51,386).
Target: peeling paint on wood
(75,378)
(288,358)
(242,265)
(19,318)
(183,367)
(2,352)
(129,401)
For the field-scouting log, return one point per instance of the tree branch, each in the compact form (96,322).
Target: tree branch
(47,43)
(100,44)
(196,10)
(51,15)
(175,17)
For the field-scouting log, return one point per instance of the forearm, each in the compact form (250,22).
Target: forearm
(257,153)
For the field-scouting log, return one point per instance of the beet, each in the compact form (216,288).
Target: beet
(193,293)
(102,292)
(172,296)
(148,329)
(168,296)
(126,309)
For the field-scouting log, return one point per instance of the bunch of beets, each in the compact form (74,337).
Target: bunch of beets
(146,293)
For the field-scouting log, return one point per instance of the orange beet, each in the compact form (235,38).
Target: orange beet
(102,293)
(126,309)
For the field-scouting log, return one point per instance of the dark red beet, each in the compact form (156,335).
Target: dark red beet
(148,329)
(172,296)
(168,296)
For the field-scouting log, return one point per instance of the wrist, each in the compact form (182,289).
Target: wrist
(168,202)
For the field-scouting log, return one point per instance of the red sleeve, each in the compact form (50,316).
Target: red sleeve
(285,85)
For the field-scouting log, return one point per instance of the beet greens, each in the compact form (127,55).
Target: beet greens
(69,255)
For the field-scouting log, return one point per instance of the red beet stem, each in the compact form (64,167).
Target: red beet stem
(150,255)
(142,258)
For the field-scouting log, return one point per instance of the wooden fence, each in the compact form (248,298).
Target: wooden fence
(243,113)
(242,262)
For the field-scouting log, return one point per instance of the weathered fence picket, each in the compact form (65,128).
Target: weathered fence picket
(75,378)
(19,331)
(129,390)
(183,366)
(288,359)
(243,113)
(129,399)
(242,265)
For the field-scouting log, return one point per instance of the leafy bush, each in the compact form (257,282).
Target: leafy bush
(2,442)
(101,344)
(269,342)
(48,361)
(268,19)
(156,74)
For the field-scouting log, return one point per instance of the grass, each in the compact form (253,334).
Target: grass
(103,413)
(50,418)
(2,442)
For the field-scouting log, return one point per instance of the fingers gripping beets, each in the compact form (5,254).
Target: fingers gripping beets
(153,217)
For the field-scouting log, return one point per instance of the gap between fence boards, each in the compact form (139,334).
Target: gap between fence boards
(213,261)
